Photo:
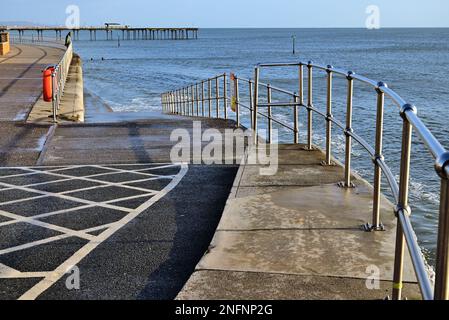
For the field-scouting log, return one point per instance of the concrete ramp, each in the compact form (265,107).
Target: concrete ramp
(297,235)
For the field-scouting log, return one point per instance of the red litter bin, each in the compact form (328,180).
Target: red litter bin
(47,83)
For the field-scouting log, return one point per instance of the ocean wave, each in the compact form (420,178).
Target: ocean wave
(137,105)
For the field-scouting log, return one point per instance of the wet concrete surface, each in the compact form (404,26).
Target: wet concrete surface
(218,285)
(21,144)
(297,235)
(142,141)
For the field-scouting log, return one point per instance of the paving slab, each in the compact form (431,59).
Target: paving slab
(293,207)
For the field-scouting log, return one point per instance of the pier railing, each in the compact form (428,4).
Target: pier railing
(185,102)
(47,42)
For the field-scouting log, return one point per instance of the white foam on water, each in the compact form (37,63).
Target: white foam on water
(138,104)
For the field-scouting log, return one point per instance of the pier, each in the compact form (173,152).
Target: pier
(123,32)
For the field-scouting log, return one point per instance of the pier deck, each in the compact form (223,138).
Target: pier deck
(297,235)
(125,32)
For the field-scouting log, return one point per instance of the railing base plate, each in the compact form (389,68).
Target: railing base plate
(325,164)
(371,228)
(344,185)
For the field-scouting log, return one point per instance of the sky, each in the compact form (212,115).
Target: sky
(232,13)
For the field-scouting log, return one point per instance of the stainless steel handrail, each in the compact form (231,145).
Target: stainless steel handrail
(59,79)
(405,234)
(191,100)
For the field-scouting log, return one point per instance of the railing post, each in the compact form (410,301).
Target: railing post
(186,101)
(237,100)
(209,94)
(53,97)
(270,125)
(169,102)
(402,204)
(186,104)
(376,224)
(299,99)
(202,98)
(217,97)
(348,150)
(255,103)
(192,100)
(197,98)
(225,96)
(251,102)
(296,120)
(329,117)
(178,101)
(442,256)
(309,106)
(183,97)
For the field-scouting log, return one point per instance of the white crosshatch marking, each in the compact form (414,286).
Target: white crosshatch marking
(141,173)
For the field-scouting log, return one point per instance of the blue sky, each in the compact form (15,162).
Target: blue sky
(233,13)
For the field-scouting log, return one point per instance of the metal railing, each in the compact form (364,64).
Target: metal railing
(208,98)
(59,79)
(174,102)
(47,42)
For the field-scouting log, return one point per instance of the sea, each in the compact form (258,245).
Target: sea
(129,76)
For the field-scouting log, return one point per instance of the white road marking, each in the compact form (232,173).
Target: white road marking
(46,225)
(59,272)
(10,273)
(52,239)
(50,277)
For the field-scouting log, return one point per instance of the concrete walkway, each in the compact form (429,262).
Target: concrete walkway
(21,79)
(71,108)
(297,235)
